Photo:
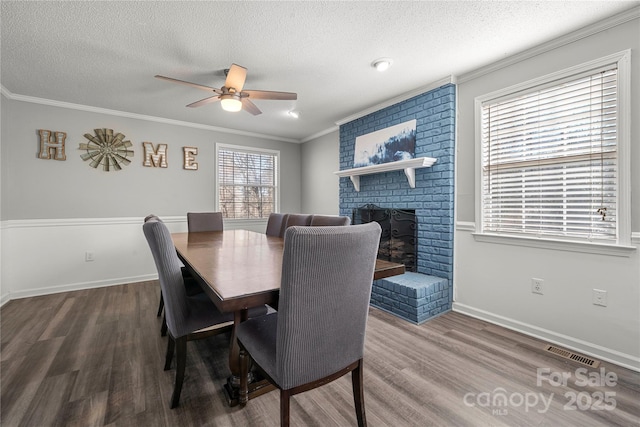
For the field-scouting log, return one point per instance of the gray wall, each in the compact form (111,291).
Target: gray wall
(493,279)
(614,40)
(33,188)
(320,158)
(55,212)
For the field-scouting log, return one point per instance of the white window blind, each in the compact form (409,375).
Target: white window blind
(550,159)
(246,183)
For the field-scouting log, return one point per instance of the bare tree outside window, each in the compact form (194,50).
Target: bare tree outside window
(247,183)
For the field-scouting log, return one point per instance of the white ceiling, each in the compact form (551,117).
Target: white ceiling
(105,54)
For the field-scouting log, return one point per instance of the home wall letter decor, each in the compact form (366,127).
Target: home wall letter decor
(47,145)
(190,154)
(155,158)
(106,149)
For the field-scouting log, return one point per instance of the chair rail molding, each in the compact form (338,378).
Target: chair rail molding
(409,166)
(466,226)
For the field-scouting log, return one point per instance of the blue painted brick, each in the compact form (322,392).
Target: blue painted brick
(412,296)
(434,112)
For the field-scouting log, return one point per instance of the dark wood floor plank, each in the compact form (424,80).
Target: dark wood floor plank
(16,401)
(20,327)
(95,358)
(79,347)
(87,412)
(48,403)
(21,383)
(63,320)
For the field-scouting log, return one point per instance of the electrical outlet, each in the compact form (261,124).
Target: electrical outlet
(88,256)
(599,297)
(536,286)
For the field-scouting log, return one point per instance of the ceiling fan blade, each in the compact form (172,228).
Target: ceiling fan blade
(182,82)
(250,107)
(236,77)
(266,94)
(204,101)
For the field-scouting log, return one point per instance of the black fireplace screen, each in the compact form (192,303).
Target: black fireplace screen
(398,242)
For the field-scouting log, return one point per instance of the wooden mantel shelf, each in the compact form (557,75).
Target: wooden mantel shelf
(409,166)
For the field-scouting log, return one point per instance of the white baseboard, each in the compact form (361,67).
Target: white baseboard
(625,360)
(77,287)
(4,299)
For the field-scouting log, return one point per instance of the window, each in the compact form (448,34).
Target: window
(551,157)
(247,181)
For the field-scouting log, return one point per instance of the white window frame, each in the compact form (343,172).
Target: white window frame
(247,149)
(622,246)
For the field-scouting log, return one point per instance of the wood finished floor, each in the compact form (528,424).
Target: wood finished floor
(95,358)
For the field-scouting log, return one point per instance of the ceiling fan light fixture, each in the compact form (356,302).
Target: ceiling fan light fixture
(382,64)
(230,103)
(231,96)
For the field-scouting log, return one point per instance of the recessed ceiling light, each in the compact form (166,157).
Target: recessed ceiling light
(382,64)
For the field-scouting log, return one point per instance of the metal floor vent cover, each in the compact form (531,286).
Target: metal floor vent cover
(573,356)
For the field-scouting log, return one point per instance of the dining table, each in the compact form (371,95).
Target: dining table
(238,270)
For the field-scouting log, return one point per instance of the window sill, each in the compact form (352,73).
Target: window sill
(554,244)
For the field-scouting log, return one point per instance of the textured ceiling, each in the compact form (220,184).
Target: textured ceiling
(105,54)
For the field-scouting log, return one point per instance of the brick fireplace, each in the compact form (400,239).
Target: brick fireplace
(431,200)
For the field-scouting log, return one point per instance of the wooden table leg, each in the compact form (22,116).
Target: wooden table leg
(234,349)
(232,386)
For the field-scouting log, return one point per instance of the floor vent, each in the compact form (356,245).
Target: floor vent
(573,356)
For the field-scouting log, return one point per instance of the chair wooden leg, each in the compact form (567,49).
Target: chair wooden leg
(181,362)
(160,305)
(357,377)
(163,328)
(169,355)
(285,396)
(244,381)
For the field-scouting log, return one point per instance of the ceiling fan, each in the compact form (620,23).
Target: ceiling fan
(231,95)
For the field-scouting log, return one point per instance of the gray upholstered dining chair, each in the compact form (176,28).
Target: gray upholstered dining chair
(320,220)
(163,329)
(297,219)
(204,221)
(188,317)
(317,335)
(191,286)
(276,224)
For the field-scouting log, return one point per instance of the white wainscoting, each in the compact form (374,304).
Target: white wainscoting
(48,256)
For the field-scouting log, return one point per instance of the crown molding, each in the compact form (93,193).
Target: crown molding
(399,98)
(319,134)
(572,37)
(87,108)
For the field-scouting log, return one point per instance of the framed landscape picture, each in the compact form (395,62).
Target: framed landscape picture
(391,144)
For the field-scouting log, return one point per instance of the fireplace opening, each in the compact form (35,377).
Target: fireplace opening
(398,241)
